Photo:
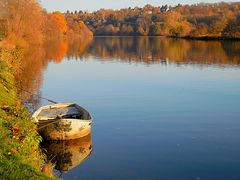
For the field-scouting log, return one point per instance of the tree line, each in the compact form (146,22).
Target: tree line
(25,22)
(197,20)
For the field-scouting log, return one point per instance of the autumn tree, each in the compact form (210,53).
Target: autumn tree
(126,29)
(107,30)
(25,22)
(176,25)
(60,20)
(3,19)
(77,28)
(233,28)
(156,29)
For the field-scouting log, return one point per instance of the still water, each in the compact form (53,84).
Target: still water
(162,108)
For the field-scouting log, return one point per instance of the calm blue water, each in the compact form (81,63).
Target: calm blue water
(153,120)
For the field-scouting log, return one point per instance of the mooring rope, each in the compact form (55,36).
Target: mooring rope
(49,100)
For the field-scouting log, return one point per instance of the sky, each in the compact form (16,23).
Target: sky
(93,5)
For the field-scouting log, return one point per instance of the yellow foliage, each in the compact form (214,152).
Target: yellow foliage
(60,21)
(17,41)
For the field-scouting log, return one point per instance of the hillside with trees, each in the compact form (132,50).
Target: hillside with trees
(198,20)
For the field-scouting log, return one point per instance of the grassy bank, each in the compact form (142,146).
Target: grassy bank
(20,157)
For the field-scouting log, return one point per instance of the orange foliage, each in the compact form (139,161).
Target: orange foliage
(23,22)
(60,21)
(81,24)
(84,31)
(58,51)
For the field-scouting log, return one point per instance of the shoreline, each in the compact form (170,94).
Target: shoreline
(203,38)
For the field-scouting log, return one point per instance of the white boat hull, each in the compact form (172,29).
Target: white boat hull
(63,121)
(66,129)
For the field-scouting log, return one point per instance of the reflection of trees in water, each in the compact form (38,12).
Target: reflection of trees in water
(56,50)
(62,161)
(232,50)
(62,126)
(156,49)
(67,154)
(57,152)
(78,46)
(35,61)
(129,49)
(30,76)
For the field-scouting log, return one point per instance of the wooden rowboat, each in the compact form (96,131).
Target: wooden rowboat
(63,121)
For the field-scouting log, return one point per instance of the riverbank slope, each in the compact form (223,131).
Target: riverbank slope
(20,156)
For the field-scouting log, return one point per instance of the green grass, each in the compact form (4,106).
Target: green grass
(20,156)
(7,92)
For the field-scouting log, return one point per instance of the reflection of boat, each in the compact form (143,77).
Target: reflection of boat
(63,121)
(69,154)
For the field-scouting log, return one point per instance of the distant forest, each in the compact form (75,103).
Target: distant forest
(217,20)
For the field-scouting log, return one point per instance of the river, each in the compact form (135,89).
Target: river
(162,108)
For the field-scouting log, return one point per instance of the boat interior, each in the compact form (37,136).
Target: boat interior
(72,111)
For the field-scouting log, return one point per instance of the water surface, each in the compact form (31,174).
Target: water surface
(162,108)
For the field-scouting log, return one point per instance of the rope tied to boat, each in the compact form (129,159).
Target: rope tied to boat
(49,100)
